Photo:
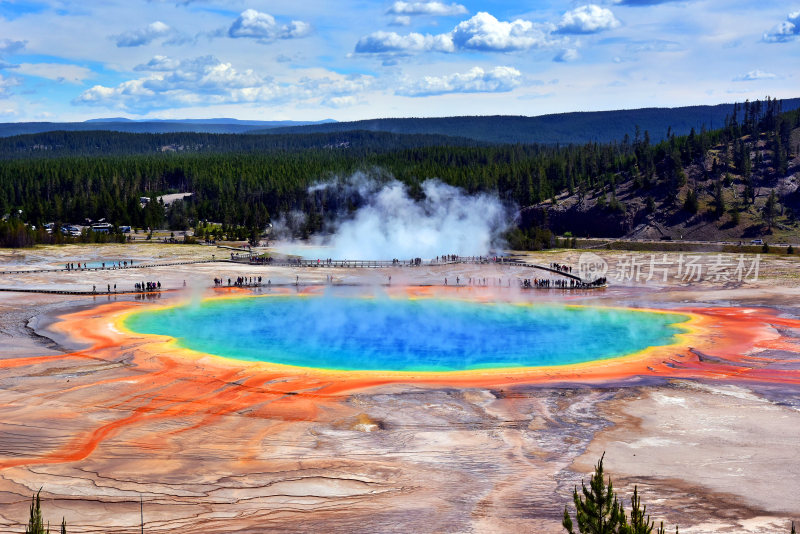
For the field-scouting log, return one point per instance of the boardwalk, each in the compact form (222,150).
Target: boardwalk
(379,264)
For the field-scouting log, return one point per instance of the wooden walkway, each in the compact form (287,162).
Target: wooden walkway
(378,264)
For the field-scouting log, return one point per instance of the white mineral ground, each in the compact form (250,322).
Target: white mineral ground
(710,456)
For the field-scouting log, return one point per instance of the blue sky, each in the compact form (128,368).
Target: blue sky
(65,60)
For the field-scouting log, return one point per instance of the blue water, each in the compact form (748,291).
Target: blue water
(353,333)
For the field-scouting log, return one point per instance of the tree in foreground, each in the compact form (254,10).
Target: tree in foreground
(598,510)
(36,521)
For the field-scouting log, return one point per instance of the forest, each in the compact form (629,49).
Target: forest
(246,181)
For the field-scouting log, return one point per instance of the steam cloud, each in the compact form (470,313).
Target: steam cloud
(390,223)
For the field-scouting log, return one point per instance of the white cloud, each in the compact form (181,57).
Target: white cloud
(485,32)
(753,75)
(264,28)
(393,43)
(56,71)
(787,30)
(143,36)
(567,55)
(587,19)
(208,81)
(476,80)
(426,8)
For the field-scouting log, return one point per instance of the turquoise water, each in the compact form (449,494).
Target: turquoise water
(352,333)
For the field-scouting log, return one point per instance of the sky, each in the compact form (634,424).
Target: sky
(66,60)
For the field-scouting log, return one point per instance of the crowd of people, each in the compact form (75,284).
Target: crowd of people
(546,283)
(260,260)
(240,281)
(146,286)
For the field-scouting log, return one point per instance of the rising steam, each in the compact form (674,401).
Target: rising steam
(389,222)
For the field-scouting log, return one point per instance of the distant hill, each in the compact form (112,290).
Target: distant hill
(561,128)
(220,126)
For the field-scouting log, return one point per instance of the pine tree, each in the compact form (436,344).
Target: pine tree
(63,526)
(770,210)
(35,522)
(597,510)
(640,523)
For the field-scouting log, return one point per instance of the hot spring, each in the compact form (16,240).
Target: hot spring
(352,333)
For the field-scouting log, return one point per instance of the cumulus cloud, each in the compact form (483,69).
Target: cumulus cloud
(56,71)
(391,42)
(426,8)
(476,80)
(787,30)
(587,19)
(206,80)
(143,36)
(264,28)
(753,75)
(483,32)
